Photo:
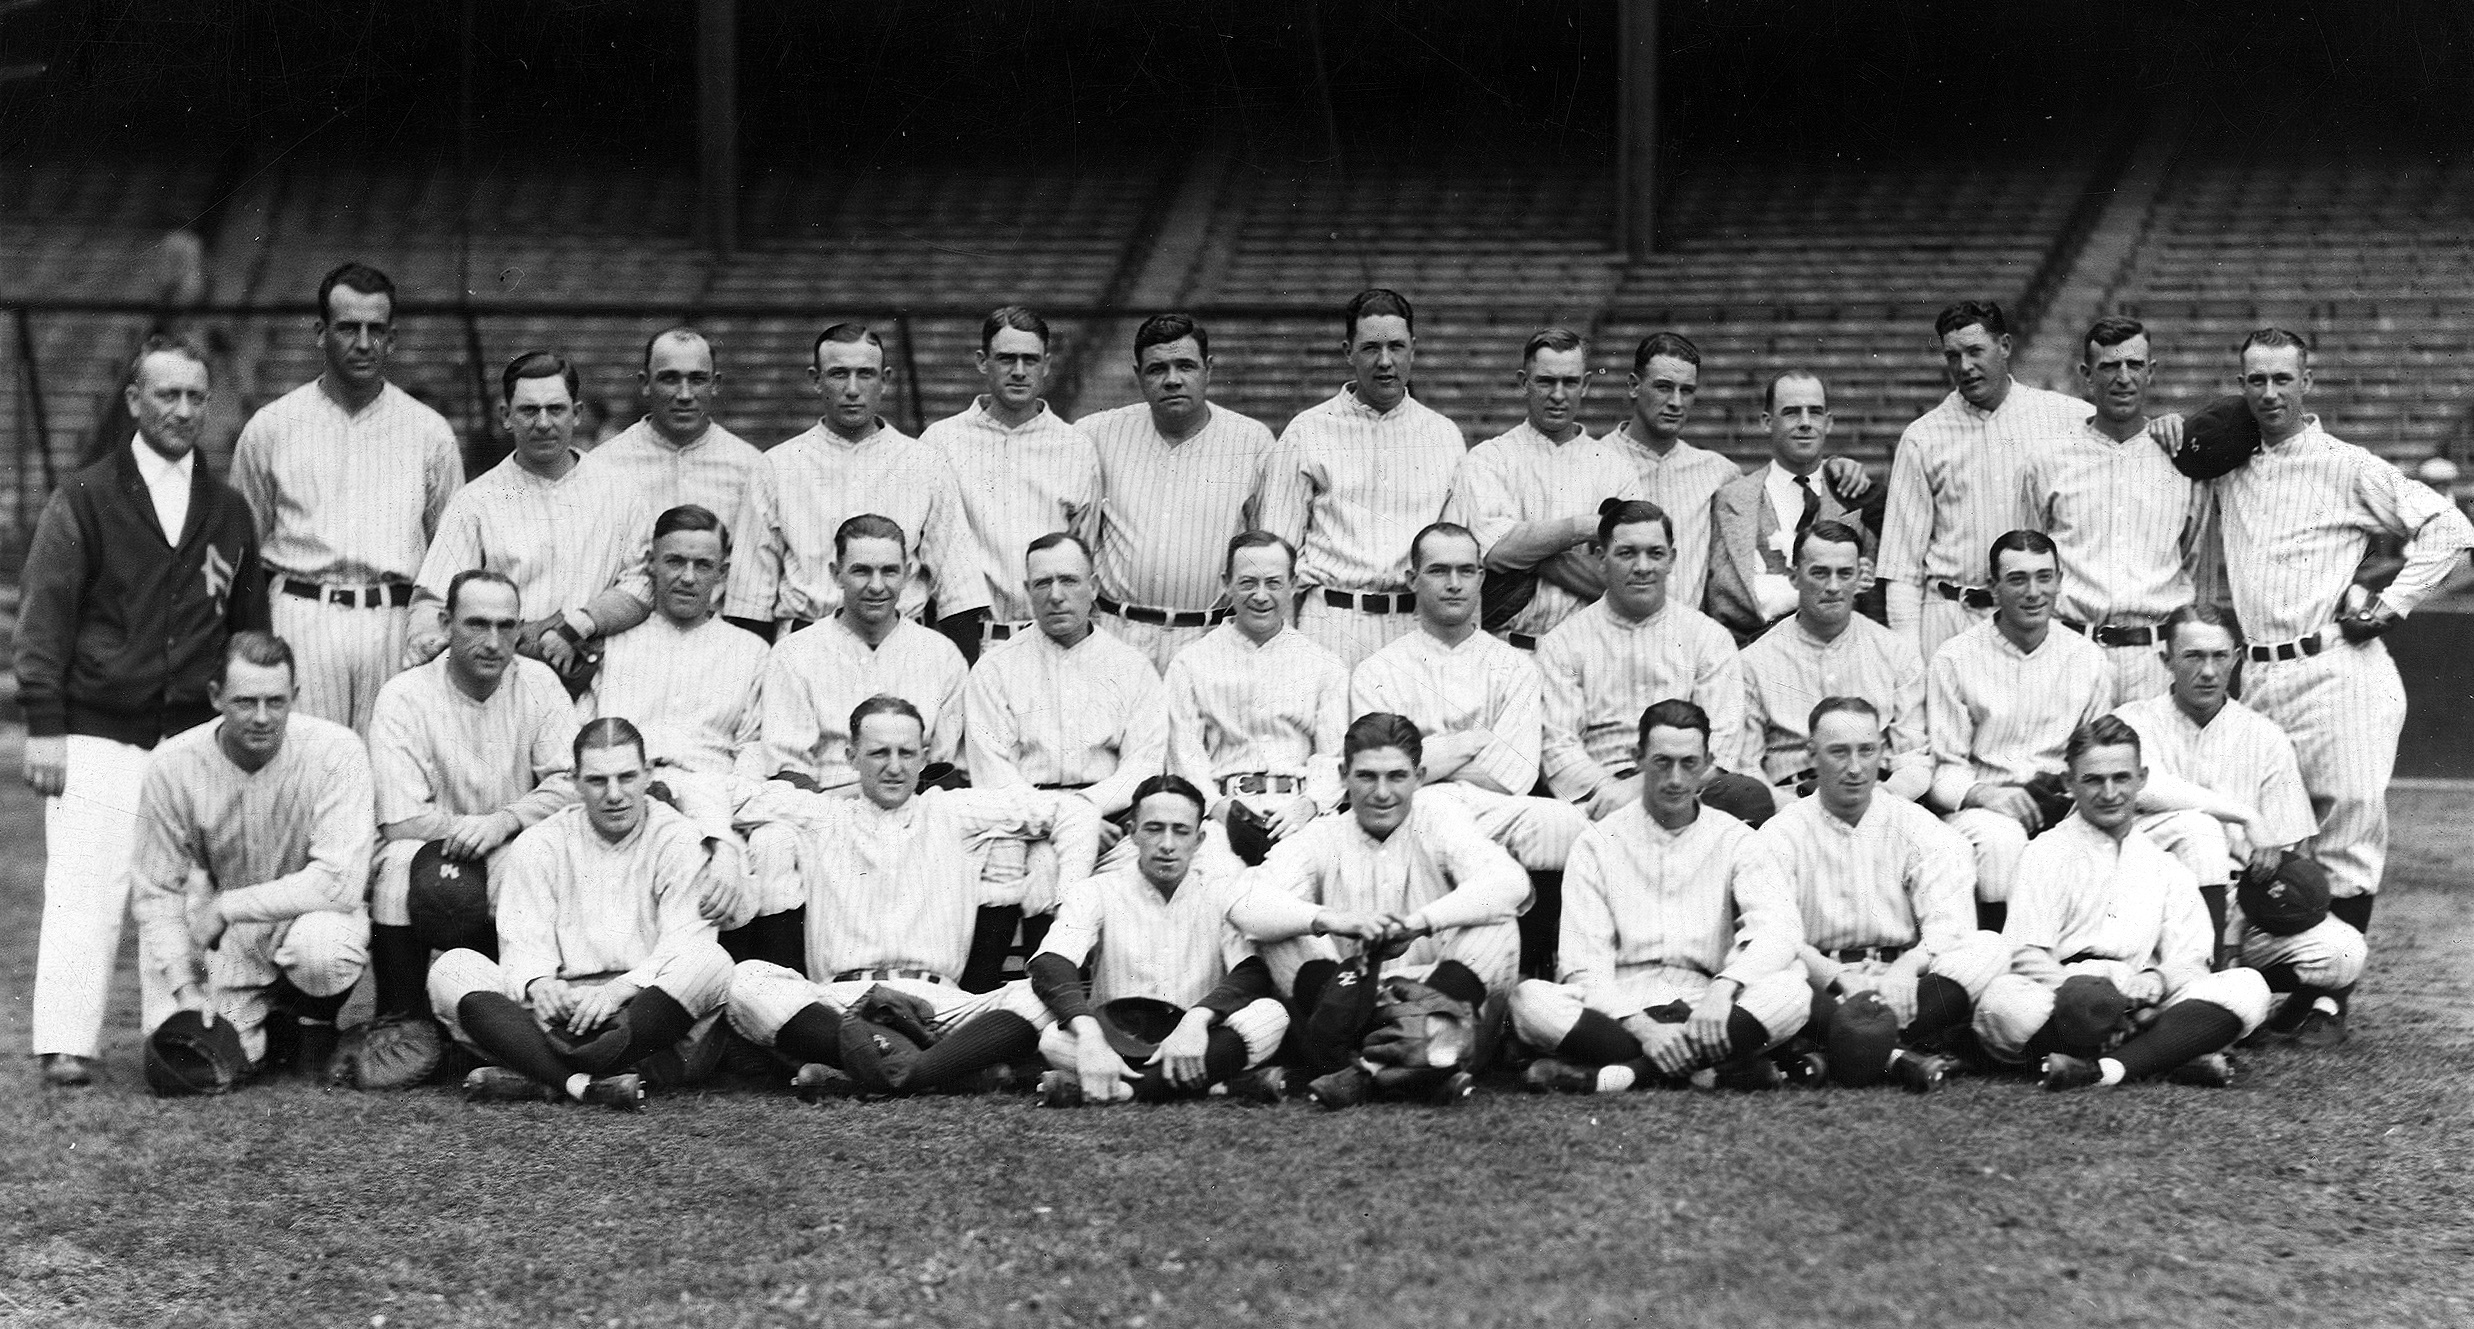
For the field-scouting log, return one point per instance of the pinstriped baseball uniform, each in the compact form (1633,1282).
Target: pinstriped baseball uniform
(2127,527)
(1521,476)
(1433,864)
(1093,714)
(350,500)
(1897,877)
(1137,944)
(562,542)
(1018,484)
(725,475)
(1481,684)
(1787,671)
(1954,486)
(1999,715)
(1682,483)
(576,906)
(1367,481)
(286,848)
(2297,521)
(820,673)
(1236,708)
(823,479)
(1167,512)
(696,694)
(1602,670)
(2240,754)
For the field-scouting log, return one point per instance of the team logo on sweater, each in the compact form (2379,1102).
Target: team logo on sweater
(218,573)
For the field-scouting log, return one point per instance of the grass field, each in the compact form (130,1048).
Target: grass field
(2333,1188)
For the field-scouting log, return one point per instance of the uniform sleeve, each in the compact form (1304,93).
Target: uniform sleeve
(1066,820)
(2035,495)
(2039,914)
(441,475)
(1076,933)
(160,860)
(1286,498)
(455,545)
(1482,499)
(1142,748)
(1510,757)
(2284,801)
(2435,532)
(1907,518)
(1267,910)
(946,547)
(407,800)
(789,720)
(1768,930)
(553,732)
(1585,944)
(252,477)
(1487,885)
(675,867)
(1570,771)
(1189,752)
(945,726)
(755,548)
(628,599)
(1952,726)
(340,841)
(1331,727)
(990,733)
(2186,942)
(1718,688)
(1908,730)
(1941,886)
(1082,505)
(748,723)
(52,599)
(527,912)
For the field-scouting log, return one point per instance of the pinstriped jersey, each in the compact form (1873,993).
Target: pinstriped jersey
(434,749)
(696,694)
(1370,480)
(823,479)
(560,541)
(1683,484)
(1236,708)
(1018,484)
(1138,944)
(344,497)
(1434,863)
(1954,482)
(725,475)
(1787,672)
(1168,510)
(1708,898)
(2079,892)
(1602,670)
(1092,713)
(2000,715)
(2239,754)
(1481,685)
(1897,877)
(2125,523)
(1521,476)
(574,905)
(818,675)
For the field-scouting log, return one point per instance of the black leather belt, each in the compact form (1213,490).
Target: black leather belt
(2297,649)
(1064,788)
(1262,782)
(881,975)
(1404,602)
(1974,597)
(2113,634)
(384,595)
(1520,639)
(1866,954)
(1166,618)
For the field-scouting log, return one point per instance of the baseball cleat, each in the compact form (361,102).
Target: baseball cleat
(815,1082)
(2320,1030)
(1919,1073)
(2063,1071)
(499,1084)
(1267,1086)
(623,1093)
(1808,1069)
(2213,1071)
(1343,1088)
(1060,1089)
(1552,1075)
(1747,1073)
(1453,1090)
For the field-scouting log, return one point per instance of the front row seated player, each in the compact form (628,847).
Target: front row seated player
(1679,941)
(2109,972)
(893,892)
(609,973)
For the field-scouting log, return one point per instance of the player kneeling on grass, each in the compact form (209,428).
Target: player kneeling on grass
(1886,895)
(892,896)
(1178,1002)
(1678,946)
(2111,938)
(610,974)
(253,841)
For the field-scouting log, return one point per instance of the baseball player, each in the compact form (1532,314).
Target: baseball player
(2297,521)
(253,841)
(1178,477)
(1756,518)
(2108,931)
(1024,471)
(606,956)
(2125,523)
(1178,1002)
(854,462)
(1680,478)
(678,455)
(349,477)
(1255,710)
(1444,895)
(1375,465)
(1635,646)
(1679,939)
(1828,650)
(2225,797)
(1954,480)
(1887,896)
(2001,700)
(572,540)
(469,750)
(145,545)
(893,895)
(1531,495)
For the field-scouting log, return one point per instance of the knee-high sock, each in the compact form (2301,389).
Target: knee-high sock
(991,938)
(2214,896)
(1035,930)
(2182,1031)
(1597,1040)
(773,938)
(1991,914)
(401,964)
(813,1034)
(1333,1025)
(1541,927)
(1459,982)
(1745,1035)
(1312,977)
(990,1038)
(1224,1056)
(650,1021)
(318,1010)
(1941,1006)
(509,1034)
(2354,911)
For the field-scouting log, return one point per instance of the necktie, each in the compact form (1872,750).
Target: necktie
(1812,504)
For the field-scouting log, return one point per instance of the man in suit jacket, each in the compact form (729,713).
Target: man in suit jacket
(1755,519)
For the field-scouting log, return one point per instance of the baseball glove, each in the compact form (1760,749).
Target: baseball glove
(195,1053)
(394,1052)
(1414,1025)
(900,1012)
(1347,1006)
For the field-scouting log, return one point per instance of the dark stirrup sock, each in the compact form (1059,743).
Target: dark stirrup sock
(990,1038)
(2214,897)
(1312,977)
(322,1010)
(513,1039)
(992,935)
(1459,982)
(653,1020)
(1597,1040)
(1941,1006)
(2184,1030)
(400,967)
(1745,1035)
(813,1034)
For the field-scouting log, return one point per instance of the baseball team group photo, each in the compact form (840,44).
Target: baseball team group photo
(1467,666)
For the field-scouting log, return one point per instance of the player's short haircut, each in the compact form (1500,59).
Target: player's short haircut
(1375,302)
(1769,395)
(691,517)
(263,649)
(539,364)
(1054,538)
(885,704)
(2111,330)
(1020,319)
(1417,542)
(1161,329)
(867,526)
(360,277)
(1836,705)
(1828,533)
(1551,339)
(186,348)
(849,334)
(679,333)
(2272,338)
(1673,345)
(2019,542)
(2198,613)
(1376,730)
(1616,512)
(1175,786)
(608,731)
(487,576)
(1673,713)
(2105,731)
(1972,313)
(1256,540)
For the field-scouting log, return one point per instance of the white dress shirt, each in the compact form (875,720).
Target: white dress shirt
(167,483)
